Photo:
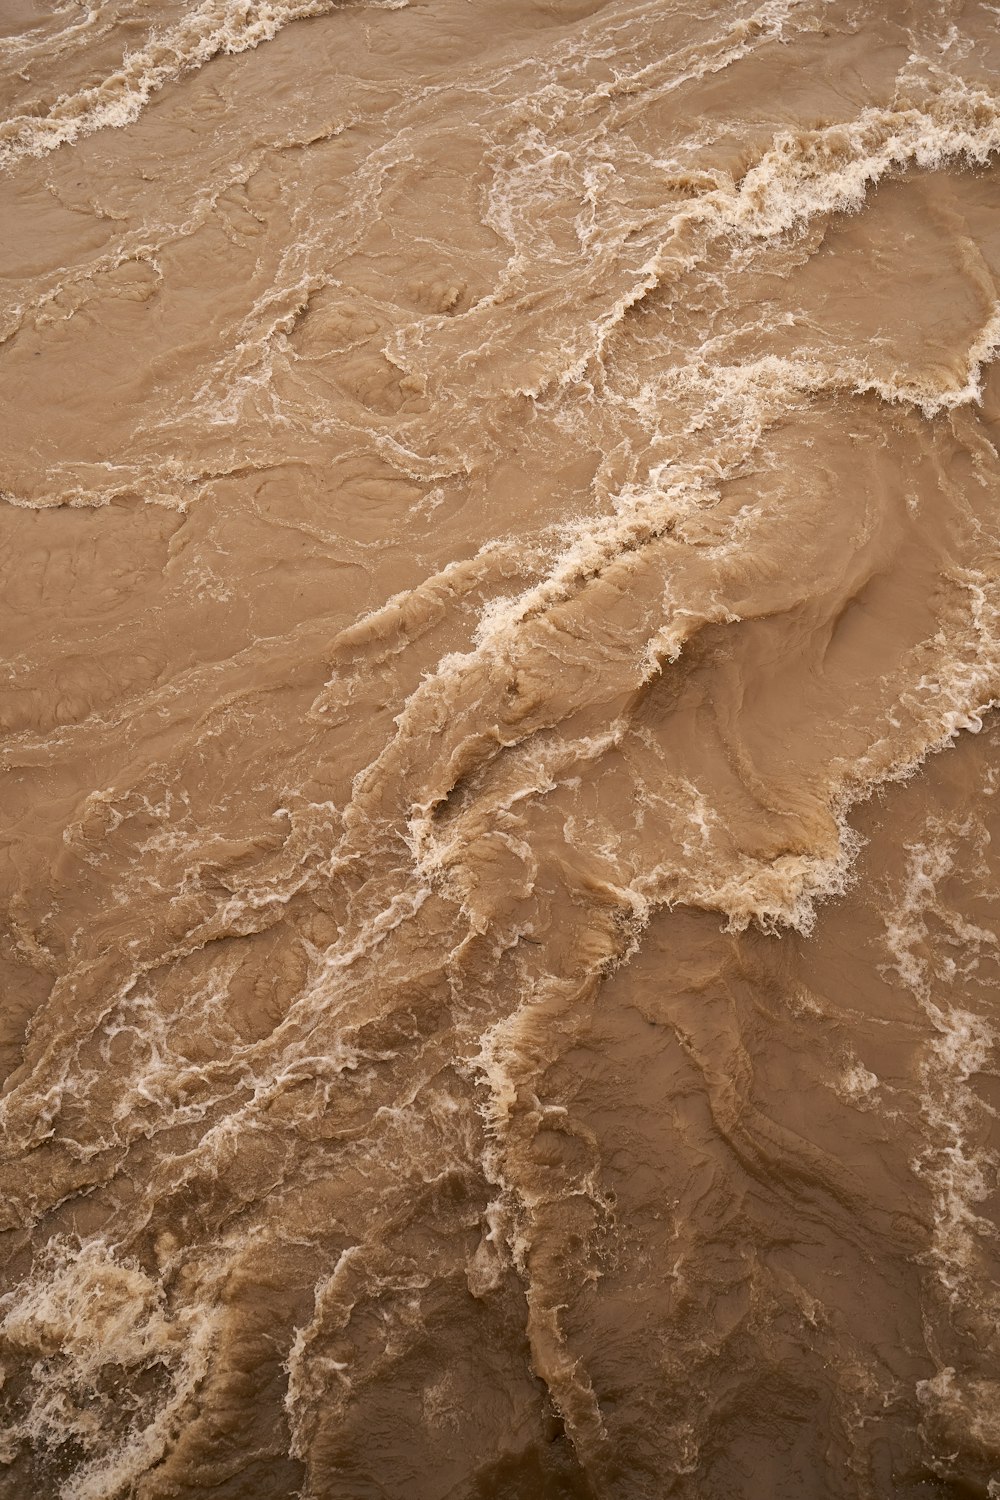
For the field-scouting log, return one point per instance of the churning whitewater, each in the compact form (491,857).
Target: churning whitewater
(500,871)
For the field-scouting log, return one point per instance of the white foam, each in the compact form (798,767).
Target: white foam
(213,27)
(921,932)
(86,1311)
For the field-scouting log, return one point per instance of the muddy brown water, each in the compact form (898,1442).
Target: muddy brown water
(500,557)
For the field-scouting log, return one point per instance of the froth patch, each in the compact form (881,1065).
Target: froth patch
(216,26)
(112,1366)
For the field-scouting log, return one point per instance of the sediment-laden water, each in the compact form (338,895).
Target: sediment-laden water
(500,799)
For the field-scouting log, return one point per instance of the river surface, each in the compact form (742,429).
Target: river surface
(500,797)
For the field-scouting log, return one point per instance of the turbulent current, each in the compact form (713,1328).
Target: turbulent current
(500,884)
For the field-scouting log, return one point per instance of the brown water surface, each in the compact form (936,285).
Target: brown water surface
(500,558)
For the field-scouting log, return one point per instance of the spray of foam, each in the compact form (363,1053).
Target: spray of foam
(214,27)
(94,1321)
